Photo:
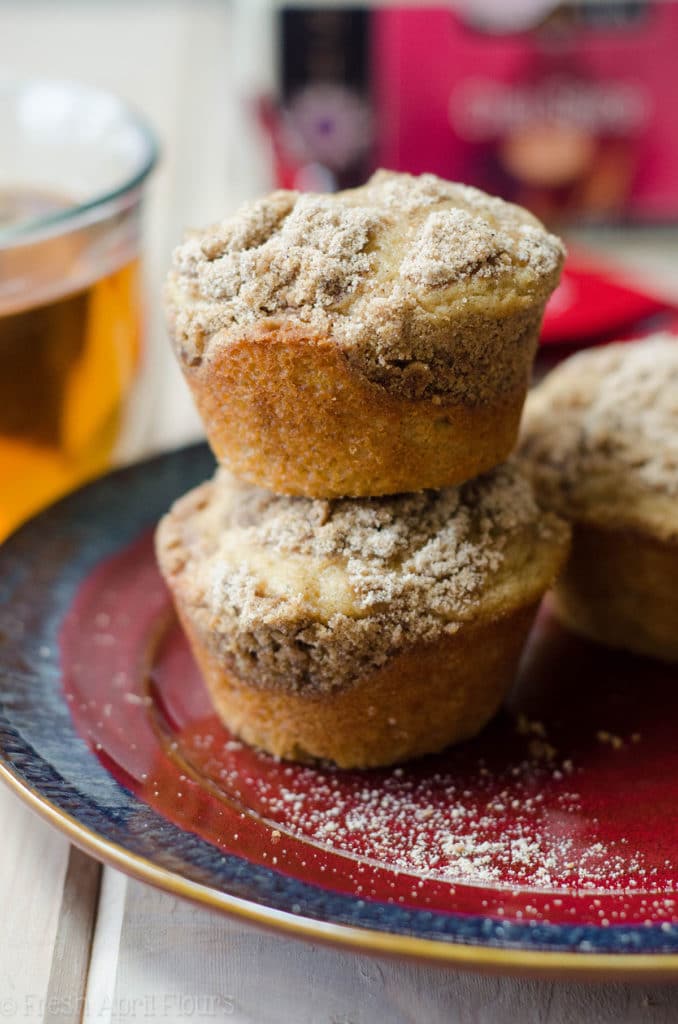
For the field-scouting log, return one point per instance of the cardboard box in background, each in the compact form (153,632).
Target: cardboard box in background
(569,109)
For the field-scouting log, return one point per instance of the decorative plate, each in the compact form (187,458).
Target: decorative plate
(549,843)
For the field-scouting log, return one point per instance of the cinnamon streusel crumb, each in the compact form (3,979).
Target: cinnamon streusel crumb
(401,272)
(296,591)
(600,436)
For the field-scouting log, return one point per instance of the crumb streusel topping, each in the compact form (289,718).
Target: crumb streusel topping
(301,592)
(413,277)
(600,436)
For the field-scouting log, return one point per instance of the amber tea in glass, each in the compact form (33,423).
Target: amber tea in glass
(70,303)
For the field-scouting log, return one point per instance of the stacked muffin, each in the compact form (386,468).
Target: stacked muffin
(358,579)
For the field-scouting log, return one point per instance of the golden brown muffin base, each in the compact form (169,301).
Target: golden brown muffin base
(286,411)
(620,588)
(421,701)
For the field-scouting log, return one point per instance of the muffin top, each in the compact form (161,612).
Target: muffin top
(292,589)
(600,436)
(381,270)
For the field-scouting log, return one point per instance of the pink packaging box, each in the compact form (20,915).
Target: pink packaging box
(568,109)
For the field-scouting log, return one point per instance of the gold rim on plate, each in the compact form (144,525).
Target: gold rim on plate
(548,963)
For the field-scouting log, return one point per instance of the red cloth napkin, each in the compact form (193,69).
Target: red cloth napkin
(591,304)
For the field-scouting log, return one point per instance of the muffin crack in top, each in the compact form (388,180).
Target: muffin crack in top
(400,271)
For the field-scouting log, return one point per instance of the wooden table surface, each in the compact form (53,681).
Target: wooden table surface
(79,942)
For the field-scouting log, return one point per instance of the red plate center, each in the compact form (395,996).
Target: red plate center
(562,810)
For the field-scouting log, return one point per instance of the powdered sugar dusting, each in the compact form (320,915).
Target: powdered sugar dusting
(584,780)
(514,826)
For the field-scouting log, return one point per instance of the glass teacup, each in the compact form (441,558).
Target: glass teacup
(74,162)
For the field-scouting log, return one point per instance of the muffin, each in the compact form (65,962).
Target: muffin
(362,631)
(370,342)
(600,442)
